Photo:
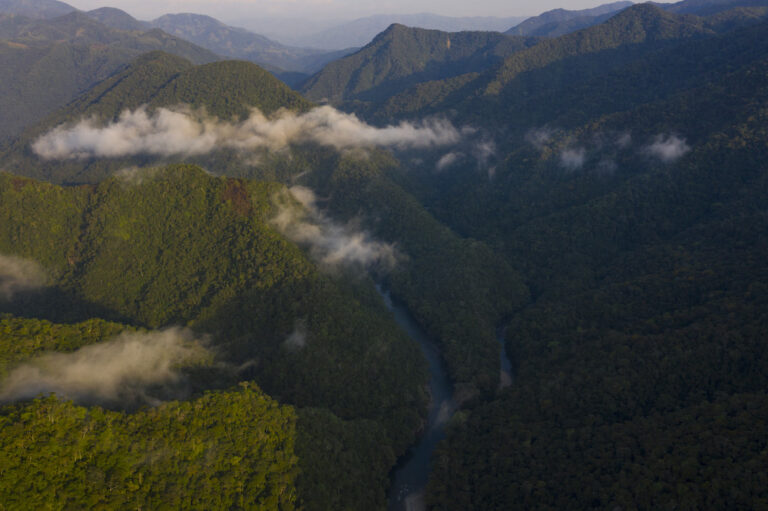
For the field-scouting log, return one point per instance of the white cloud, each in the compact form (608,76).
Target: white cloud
(667,148)
(448,160)
(573,158)
(331,244)
(19,275)
(115,371)
(538,137)
(182,131)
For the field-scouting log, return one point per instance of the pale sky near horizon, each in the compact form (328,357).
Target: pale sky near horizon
(229,10)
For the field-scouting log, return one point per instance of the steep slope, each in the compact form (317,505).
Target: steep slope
(561,21)
(400,57)
(529,86)
(214,263)
(243,44)
(435,276)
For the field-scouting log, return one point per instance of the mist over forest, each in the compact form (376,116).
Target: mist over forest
(404,262)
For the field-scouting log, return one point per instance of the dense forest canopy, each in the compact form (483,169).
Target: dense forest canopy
(209,247)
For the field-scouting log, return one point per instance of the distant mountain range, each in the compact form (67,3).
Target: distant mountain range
(561,21)
(362,31)
(47,62)
(242,44)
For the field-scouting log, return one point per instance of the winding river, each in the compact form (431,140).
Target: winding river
(409,477)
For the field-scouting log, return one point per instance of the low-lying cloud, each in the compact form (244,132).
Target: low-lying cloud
(573,158)
(448,160)
(19,275)
(186,132)
(667,148)
(330,243)
(298,338)
(539,137)
(119,371)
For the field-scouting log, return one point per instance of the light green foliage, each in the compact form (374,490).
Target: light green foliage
(178,246)
(22,338)
(224,450)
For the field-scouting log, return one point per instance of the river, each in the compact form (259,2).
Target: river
(409,477)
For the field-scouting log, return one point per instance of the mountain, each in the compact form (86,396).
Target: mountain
(39,9)
(709,7)
(626,187)
(505,94)
(80,28)
(242,44)
(224,89)
(561,21)
(118,19)
(401,57)
(73,52)
(362,31)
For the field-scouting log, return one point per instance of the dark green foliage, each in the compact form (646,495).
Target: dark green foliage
(331,451)
(401,57)
(707,456)
(647,333)
(458,289)
(225,450)
(228,88)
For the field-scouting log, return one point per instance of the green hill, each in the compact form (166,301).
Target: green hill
(177,246)
(224,89)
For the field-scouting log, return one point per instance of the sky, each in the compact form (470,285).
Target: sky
(232,10)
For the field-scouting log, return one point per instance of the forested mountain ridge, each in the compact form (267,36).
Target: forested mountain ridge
(531,83)
(36,8)
(464,266)
(116,18)
(629,196)
(227,89)
(401,56)
(362,31)
(215,264)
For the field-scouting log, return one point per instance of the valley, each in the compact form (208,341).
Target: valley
(499,268)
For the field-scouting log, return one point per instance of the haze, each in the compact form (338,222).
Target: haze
(234,10)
